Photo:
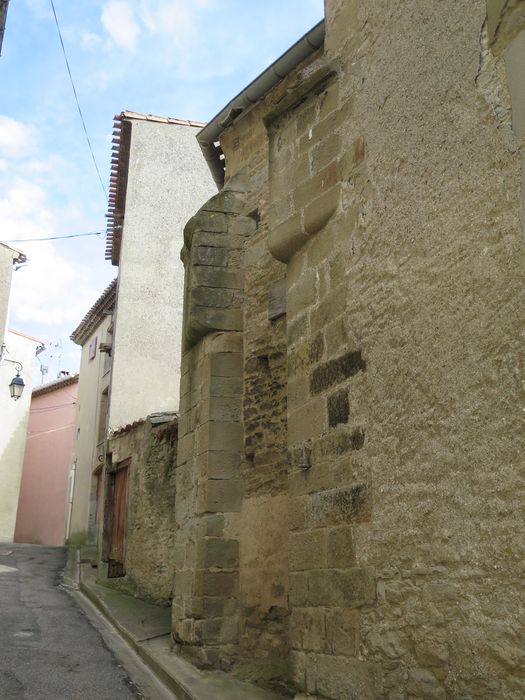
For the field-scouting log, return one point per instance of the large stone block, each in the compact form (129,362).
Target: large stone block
(338,407)
(217,277)
(340,552)
(307,421)
(218,630)
(336,370)
(308,629)
(225,436)
(226,386)
(205,319)
(216,552)
(216,298)
(303,294)
(223,465)
(351,588)
(308,550)
(299,589)
(328,149)
(341,505)
(342,631)
(320,183)
(219,584)
(222,496)
(339,677)
(319,211)
(227,364)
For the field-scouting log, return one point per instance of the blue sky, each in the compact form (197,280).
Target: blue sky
(168,57)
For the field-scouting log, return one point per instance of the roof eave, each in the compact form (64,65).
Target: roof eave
(95,314)
(208,137)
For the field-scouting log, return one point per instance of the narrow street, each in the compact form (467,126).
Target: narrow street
(53,649)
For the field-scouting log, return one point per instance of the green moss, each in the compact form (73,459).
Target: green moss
(77,539)
(273,676)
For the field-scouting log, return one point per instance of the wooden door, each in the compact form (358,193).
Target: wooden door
(118,512)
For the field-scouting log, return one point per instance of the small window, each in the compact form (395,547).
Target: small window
(93,348)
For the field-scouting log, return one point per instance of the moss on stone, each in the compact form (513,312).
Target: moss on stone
(273,676)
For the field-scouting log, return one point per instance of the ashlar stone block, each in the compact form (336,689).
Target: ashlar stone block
(351,588)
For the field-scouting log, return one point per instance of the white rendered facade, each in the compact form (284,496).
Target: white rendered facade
(167,181)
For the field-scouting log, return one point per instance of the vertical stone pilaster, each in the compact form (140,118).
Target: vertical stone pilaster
(208,502)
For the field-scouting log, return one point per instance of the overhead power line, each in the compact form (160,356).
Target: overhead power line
(76,100)
(54,238)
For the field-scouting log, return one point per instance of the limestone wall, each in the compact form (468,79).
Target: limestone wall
(369,529)
(208,501)
(393,172)
(151,447)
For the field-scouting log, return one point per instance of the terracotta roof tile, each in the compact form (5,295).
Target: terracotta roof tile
(119,173)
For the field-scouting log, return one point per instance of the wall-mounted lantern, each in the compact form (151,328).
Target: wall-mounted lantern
(17,383)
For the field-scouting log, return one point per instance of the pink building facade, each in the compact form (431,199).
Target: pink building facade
(43,501)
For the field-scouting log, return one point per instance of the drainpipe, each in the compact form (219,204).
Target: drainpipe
(208,137)
(72,476)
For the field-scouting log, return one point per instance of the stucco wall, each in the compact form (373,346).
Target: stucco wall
(41,515)
(168,181)
(13,429)
(93,379)
(6,272)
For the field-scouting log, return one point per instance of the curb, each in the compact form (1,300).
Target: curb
(184,680)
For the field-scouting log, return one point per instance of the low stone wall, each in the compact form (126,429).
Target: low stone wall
(151,447)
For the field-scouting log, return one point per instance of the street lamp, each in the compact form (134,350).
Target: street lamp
(17,383)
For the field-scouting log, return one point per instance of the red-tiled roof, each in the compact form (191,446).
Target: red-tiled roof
(93,317)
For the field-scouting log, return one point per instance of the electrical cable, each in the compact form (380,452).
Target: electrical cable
(76,100)
(53,238)
(45,409)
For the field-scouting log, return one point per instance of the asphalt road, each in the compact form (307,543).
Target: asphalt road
(50,648)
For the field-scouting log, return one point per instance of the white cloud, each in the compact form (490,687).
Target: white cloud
(173,18)
(51,289)
(119,21)
(17,138)
(91,41)
(52,164)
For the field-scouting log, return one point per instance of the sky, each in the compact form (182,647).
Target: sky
(175,58)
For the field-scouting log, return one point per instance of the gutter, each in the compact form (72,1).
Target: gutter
(209,136)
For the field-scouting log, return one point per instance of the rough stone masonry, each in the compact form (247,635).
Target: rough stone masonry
(349,485)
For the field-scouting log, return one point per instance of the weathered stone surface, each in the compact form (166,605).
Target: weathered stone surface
(218,584)
(338,407)
(351,588)
(335,371)
(337,506)
(220,553)
(222,495)
(150,553)
(392,191)
(308,550)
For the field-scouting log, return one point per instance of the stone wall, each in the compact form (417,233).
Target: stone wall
(264,610)
(349,499)
(393,176)
(151,447)
(206,588)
